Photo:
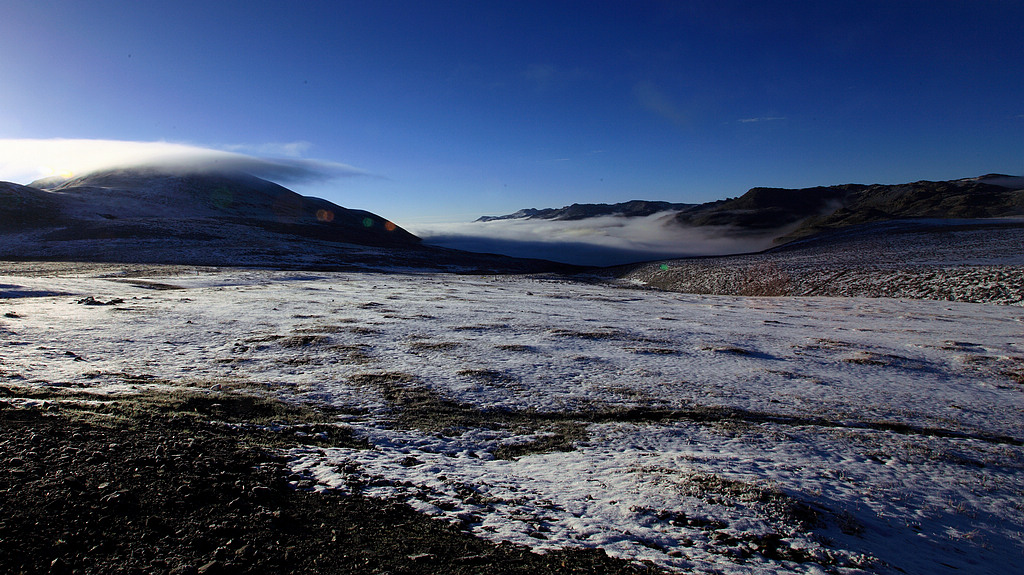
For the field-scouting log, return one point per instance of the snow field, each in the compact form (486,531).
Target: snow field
(720,433)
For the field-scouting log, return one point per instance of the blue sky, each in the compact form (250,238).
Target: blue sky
(444,111)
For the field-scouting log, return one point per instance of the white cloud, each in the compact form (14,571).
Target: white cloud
(286,149)
(761,119)
(657,101)
(606,240)
(25,160)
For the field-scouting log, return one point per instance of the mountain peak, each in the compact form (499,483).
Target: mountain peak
(123,201)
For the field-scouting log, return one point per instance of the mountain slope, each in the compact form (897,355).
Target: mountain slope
(633,208)
(957,199)
(796,213)
(112,201)
(766,208)
(25,207)
(975,260)
(145,215)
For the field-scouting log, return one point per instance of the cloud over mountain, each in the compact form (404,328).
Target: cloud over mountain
(25,160)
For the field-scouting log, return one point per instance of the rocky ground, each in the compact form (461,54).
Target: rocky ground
(183,482)
(189,483)
(976,261)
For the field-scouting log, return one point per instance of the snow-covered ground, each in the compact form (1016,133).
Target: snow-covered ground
(720,433)
(978,260)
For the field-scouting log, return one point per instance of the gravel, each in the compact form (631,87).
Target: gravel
(194,485)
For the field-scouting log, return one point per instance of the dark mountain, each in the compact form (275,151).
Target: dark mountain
(113,201)
(958,199)
(524,214)
(767,208)
(634,208)
(153,216)
(796,213)
(24,207)
(814,210)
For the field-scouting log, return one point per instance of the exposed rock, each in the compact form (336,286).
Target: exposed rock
(90,300)
(63,510)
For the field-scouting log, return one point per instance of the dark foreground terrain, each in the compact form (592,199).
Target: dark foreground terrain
(187,484)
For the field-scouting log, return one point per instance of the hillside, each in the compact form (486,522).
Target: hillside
(632,209)
(991,196)
(966,260)
(114,203)
(145,215)
(796,213)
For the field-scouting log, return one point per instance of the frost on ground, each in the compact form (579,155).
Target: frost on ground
(975,260)
(715,433)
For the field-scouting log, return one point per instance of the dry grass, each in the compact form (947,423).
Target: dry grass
(593,335)
(303,340)
(730,349)
(652,350)
(765,279)
(435,345)
(514,347)
(491,376)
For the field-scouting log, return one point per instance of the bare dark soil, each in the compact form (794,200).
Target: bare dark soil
(171,486)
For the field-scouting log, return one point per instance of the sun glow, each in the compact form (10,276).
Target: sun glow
(26,160)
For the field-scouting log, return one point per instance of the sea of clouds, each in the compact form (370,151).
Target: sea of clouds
(599,241)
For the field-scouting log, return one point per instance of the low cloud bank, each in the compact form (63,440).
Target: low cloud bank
(601,241)
(25,160)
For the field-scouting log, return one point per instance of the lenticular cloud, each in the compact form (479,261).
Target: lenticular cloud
(25,160)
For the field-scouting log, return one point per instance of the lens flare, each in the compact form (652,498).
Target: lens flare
(325,215)
(390,226)
(368,222)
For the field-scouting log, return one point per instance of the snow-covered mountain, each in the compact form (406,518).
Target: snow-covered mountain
(114,202)
(157,216)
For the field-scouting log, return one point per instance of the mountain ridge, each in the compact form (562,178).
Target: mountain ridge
(153,215)
(802,212)
(632,208)
(132,194)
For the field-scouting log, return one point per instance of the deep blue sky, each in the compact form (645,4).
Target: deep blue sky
(458,109)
